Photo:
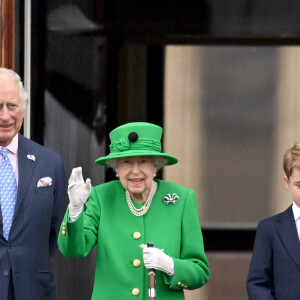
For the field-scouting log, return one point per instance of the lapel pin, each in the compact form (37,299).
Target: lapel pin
(32,157)
(174,198)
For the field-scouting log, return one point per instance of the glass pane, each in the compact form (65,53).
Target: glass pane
(74,95)
(230,114)
(74,113)
(229,273)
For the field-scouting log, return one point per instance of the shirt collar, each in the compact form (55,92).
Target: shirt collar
(13,146)
(296,211)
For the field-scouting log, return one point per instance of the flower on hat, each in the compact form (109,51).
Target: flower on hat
(120,145)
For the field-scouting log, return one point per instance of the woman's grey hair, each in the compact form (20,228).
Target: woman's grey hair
(112,163)
(159,161)
(10,74)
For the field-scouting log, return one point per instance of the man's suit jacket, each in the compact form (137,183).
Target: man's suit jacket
(275,267)
(37,217)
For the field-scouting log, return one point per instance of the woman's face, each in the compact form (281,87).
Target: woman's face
(136,175)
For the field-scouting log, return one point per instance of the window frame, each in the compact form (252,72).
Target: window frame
(7,33)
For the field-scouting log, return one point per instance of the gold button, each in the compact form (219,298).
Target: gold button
(136,262)
(135,292)
(63,232)
(64,223)
(179,283)
(136,235)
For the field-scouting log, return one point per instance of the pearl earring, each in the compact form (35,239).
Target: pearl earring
(154,174)
(117,175)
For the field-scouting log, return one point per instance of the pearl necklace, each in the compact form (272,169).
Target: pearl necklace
(138,212)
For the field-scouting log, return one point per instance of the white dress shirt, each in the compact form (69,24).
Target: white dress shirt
(296,211)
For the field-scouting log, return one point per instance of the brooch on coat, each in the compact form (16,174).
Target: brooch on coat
(32,157)
(174,198)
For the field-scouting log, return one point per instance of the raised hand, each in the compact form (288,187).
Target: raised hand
(78,192)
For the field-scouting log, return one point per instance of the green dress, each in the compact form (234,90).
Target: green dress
(108,223)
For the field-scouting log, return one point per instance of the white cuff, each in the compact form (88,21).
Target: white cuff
(75,212)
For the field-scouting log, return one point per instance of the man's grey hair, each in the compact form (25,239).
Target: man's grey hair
(159,161)
(12,75)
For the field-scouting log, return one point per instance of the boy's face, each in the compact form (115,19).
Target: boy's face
(293,184)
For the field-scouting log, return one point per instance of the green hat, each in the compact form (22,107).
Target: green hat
(136,139)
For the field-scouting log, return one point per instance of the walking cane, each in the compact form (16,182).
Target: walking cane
(151,273)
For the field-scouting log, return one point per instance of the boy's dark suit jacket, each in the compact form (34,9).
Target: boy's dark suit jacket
(275,267)
(37,217)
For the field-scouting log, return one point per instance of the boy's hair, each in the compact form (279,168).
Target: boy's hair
(291,160)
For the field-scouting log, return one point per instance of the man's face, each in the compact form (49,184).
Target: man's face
(293,184)
(11,111)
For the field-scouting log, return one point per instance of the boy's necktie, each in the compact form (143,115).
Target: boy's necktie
(8,191)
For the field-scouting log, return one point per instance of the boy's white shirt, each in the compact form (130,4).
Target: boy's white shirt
(296,212)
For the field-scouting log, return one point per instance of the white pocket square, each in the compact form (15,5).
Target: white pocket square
(46,181)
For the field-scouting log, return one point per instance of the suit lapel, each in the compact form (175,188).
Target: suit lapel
(288,233)
(26,167)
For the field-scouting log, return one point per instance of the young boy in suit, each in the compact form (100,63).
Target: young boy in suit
(275,266)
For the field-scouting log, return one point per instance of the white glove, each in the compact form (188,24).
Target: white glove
(78,192)
(155,258)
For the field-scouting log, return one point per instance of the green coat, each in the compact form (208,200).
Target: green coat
(109,224)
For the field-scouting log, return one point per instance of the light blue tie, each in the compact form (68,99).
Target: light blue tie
(8,192)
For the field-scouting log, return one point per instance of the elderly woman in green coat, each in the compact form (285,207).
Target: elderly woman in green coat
(123,215)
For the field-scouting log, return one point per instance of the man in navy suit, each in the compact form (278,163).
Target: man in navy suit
(275,266)
(25,267)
